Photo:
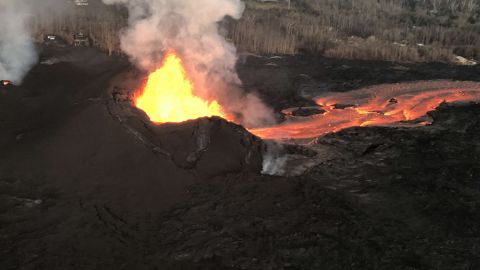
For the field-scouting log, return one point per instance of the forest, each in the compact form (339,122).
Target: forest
(391,30)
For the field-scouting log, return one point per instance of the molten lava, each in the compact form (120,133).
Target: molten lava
(168,95)
(395,104)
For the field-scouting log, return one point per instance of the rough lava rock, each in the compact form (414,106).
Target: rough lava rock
(208,146)
(309,111)
(87,182)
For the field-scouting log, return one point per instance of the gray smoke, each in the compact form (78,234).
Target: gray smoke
(274,159)
(17,51)
(190,28)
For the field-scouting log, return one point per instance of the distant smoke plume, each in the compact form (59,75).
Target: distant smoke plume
(190,27)
(17,51)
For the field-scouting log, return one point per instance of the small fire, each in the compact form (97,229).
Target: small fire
(5,83)
(168,95)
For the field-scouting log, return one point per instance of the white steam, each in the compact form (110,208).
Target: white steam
(190,28)
(274,159)
(17,51)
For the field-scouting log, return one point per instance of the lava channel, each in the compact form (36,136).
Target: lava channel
(378,105)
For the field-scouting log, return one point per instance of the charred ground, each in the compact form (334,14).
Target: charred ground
(80,190)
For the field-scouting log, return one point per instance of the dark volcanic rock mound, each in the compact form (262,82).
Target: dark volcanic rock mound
(207,146)
(64,126)
(211,146)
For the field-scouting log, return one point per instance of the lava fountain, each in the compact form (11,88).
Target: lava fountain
(394,104)
(168,97)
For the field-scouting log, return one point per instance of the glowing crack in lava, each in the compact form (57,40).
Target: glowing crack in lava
(394,104)
(168,95)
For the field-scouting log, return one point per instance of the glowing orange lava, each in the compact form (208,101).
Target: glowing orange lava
(393,104)
(168,95)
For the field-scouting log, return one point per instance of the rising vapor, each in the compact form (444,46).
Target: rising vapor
(17,51)
(190,27)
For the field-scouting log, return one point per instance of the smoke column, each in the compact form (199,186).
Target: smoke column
(190,27)
(17,52)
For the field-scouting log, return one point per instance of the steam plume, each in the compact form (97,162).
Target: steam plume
(274,159)
(17,52)
(190,27)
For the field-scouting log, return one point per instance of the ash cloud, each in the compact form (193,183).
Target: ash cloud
(17,51)
(190,27)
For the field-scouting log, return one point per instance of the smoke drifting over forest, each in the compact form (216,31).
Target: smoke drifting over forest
(17,52)
(17,49)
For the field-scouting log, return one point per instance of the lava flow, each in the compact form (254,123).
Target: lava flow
(168,95)
(379,105)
